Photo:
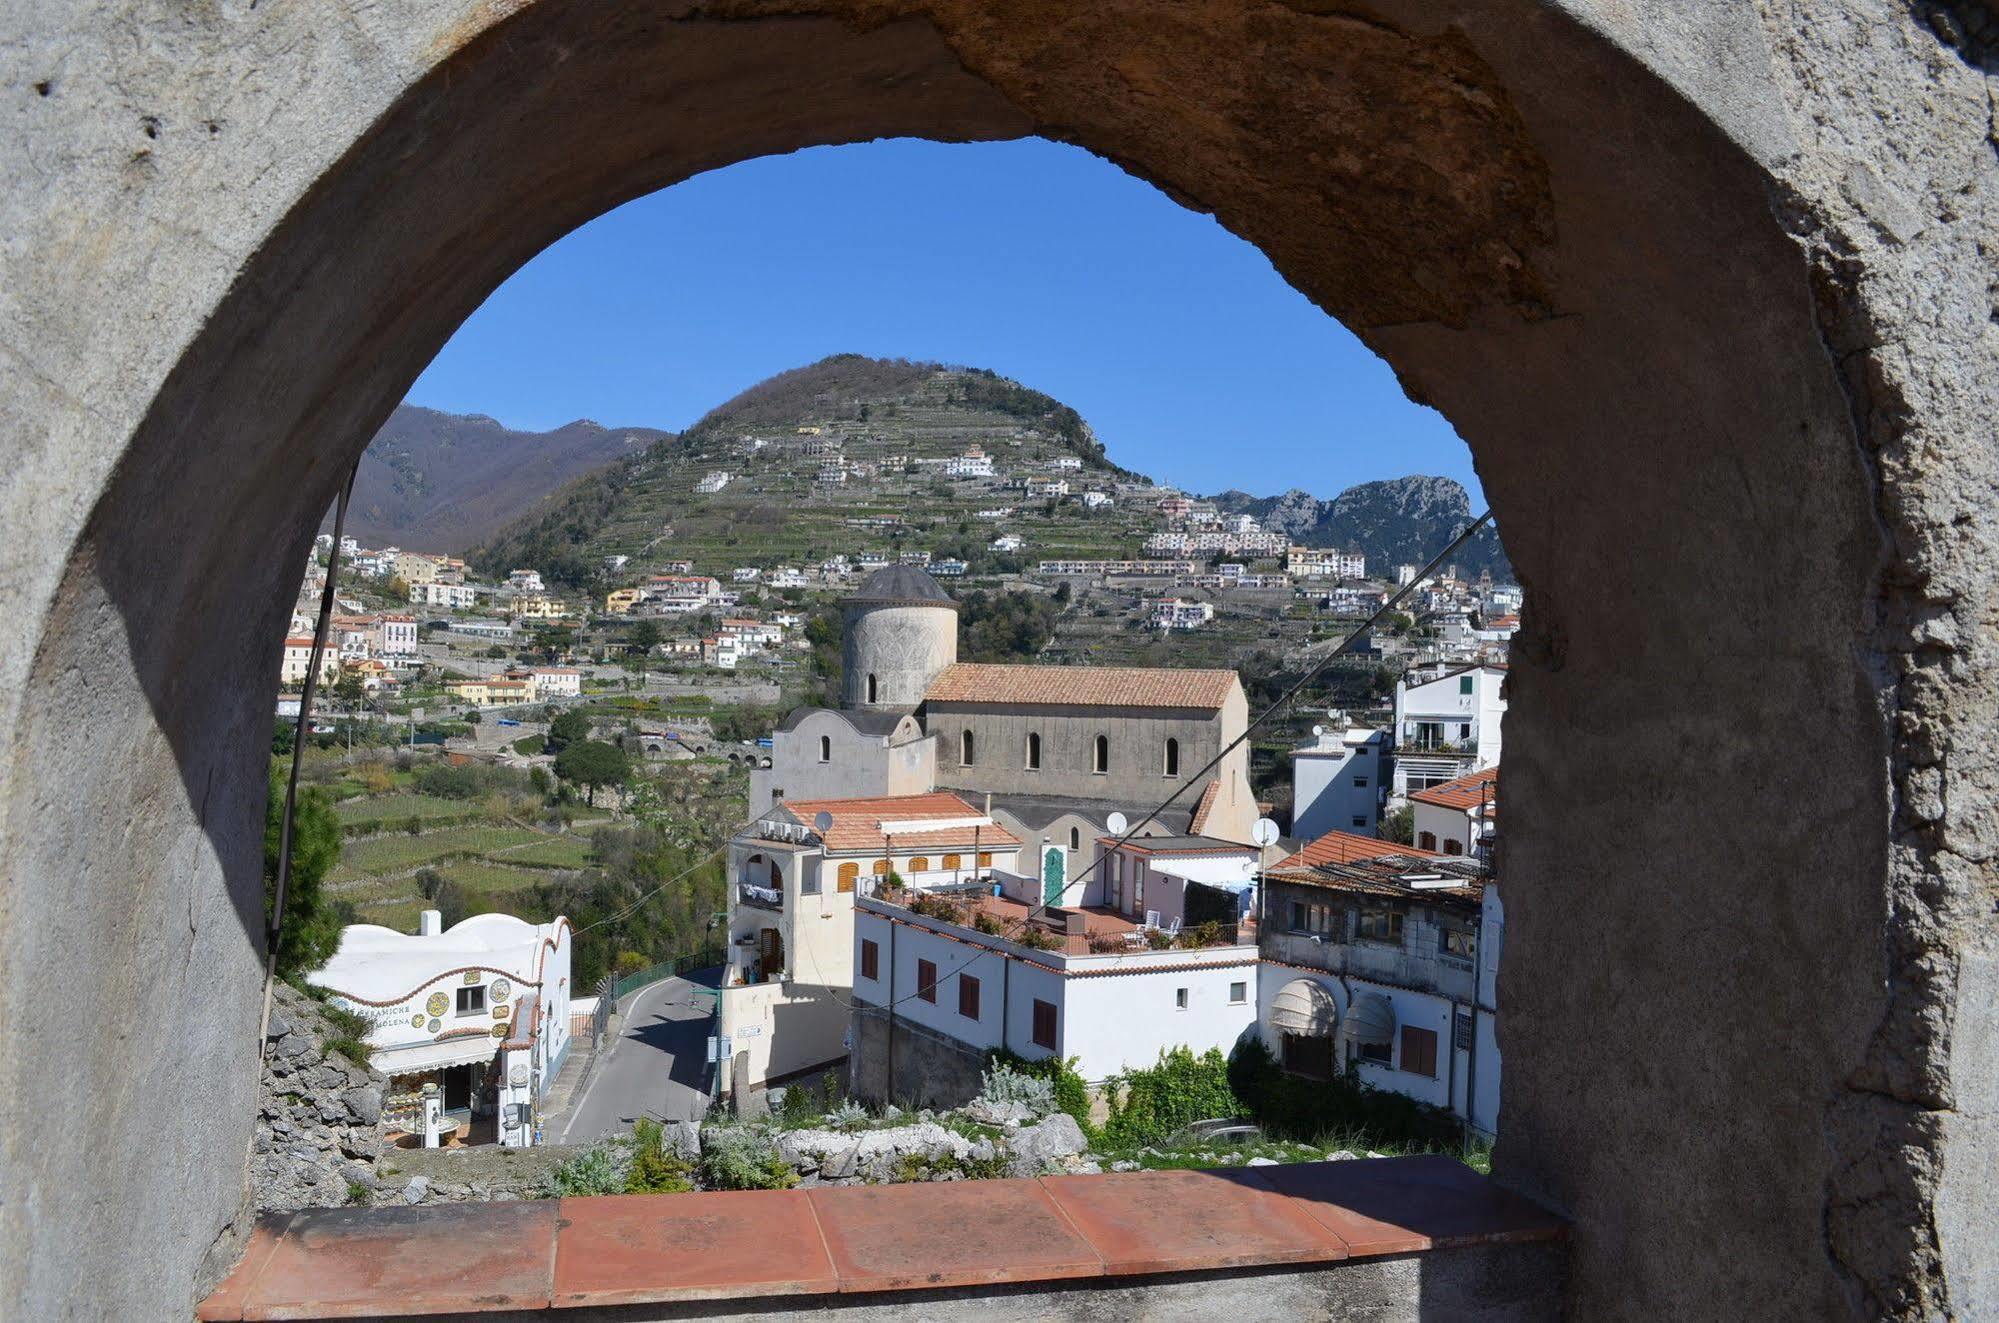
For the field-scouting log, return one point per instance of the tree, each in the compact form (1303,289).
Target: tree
(1400,826)
(569,728)
(311,924)
(348,687)
(593,763)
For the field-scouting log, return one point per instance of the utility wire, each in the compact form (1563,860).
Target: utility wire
(274,927)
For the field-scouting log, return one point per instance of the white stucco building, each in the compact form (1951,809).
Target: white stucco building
(481,1010)
(1457,817)
(1340,782)
(793,881)
(1447,723)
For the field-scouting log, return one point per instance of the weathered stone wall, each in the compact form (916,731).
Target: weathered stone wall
(318,1115)
(907,1065)
(1708,287)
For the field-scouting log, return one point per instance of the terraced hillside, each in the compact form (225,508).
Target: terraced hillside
(887,426)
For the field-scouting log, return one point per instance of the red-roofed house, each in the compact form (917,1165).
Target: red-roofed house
(1457,816)
(793,875)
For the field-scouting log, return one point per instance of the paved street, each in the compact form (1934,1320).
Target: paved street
(656,1065)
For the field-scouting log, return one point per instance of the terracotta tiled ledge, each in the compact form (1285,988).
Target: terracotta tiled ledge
(641,1249)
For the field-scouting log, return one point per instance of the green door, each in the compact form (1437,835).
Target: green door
(1052,868)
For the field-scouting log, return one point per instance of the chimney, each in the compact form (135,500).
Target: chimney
(989,803)
(429,923)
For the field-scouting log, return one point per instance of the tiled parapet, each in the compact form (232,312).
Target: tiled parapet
(919,1240)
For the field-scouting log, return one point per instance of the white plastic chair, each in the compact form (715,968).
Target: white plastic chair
(1151,919)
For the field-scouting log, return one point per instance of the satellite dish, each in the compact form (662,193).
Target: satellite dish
(1116,823)
(823,820)
(1264,832)
(1318,731)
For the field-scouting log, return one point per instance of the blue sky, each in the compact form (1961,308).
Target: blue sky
(1193,360)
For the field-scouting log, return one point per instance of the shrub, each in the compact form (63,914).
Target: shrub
(1148,1105)
(1037,938)
(1299,1108)
(1072,1095)
(848,1115)
(1106,943)
(987,924)
(743,1158)
(593,1171)
(654,1170)
(1002,1084)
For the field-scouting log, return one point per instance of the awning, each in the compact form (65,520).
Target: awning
(1224,873)
(435,1056)
(1305,1007)
(1371,1021)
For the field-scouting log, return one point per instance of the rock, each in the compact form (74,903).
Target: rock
(355,1173)
(1124,1164)
(683,1138)
(293,1045)
(364,1104)
(1261,1162)
(418,1187)
(1340,1155)
(1002,1114)
(279,1026)
(1049,1141)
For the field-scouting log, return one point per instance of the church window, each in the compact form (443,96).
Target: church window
(1033,751)
(1075,838)
(965,749)
(825,748)
(1100,756)
(874,689)
(1172,757)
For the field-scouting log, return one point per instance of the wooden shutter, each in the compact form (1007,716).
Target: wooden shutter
(849,874)
(926,980)
(1044,1024)
(870,959)
(968,996)
(1419,1051)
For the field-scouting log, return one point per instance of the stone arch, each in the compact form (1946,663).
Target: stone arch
(1593,238)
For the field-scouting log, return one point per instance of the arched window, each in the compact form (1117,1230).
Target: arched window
(1100,755)
(951,862)
(874,689)
(1426,840)
(1075,838)
(965,749)
(1172,757)
(920,864)
(825,748)
(881,868)
(1033,751)
(985,859)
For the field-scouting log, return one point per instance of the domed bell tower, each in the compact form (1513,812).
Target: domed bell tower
(901,630)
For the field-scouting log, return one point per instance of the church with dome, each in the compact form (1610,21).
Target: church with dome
(1049,751)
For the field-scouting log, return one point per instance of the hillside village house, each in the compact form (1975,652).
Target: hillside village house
(1324,563)
(1383,957)
(936,987)
(450,596)
(539,606)
(1175,883)
(1172,613)
(296,662)
(397,636)
(1340,782)
(793,883)
(480,1010)
(553,681)
(1447,723)
(525,581)
(620,601)
(1458,817)
(492,691)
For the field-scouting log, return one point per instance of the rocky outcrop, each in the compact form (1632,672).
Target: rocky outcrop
(319,1114)
(1398,521)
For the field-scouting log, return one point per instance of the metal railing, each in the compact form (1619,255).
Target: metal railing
(702,959)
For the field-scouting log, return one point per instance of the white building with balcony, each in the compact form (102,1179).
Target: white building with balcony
(1383,959)
(969,973)
(793,879)
(1447,723)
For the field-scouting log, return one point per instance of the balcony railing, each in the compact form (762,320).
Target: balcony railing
(764,898)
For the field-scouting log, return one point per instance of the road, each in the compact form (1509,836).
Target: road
(654,1068)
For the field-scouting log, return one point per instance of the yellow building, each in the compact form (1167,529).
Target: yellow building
(621,601)
(413,568)
(493,691)
(539,606)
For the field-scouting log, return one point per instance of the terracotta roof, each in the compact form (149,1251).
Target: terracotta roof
(1080,686)
(1345,847)
(1463,793)
(1198,825)
(857,822)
